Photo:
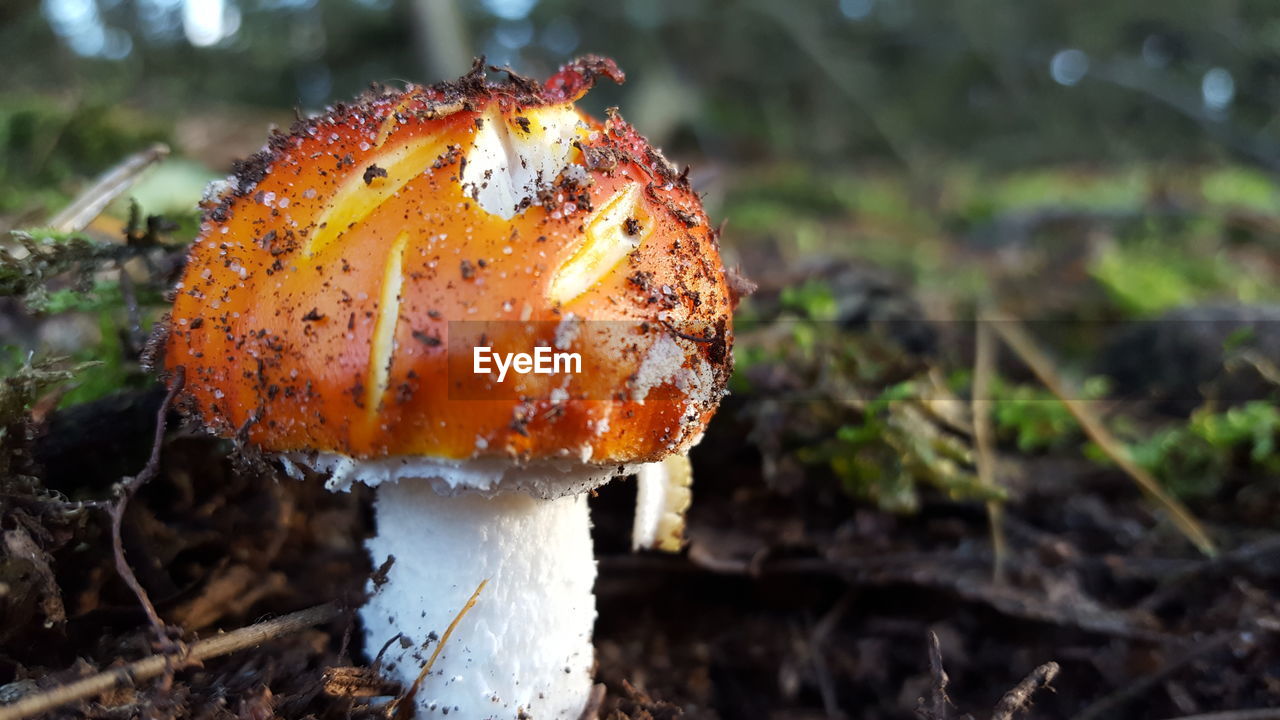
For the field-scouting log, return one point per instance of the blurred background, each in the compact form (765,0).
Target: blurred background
(914,133)
(903,82)
(1096,483)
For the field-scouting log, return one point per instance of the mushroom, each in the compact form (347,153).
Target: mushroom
(330,313)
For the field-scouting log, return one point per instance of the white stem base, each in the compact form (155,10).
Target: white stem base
(524,650)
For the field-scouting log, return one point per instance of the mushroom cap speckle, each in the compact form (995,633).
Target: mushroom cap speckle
(344,274)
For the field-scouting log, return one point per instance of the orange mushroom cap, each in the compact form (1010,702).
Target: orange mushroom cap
(339,281)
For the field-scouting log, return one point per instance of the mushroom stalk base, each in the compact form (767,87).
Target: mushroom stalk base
(524,650)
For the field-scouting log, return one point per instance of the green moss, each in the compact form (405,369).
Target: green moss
(812,300)
(46,254)
(1035,420)
(894,448)
(1068,189)
(1238,187)
(1152,274)
(102,296)
(1193,458)
(22,382)
(109,371)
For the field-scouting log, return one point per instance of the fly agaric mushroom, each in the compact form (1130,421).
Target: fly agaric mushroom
(327,316)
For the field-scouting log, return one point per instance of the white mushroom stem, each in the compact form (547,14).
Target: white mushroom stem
(525,649)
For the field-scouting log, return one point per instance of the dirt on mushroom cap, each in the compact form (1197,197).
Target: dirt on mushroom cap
(333,253)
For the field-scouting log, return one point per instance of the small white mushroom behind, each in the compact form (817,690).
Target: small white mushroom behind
(662,499)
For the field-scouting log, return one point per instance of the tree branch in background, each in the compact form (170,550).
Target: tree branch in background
(1253,148)
(806,34)
(441,34)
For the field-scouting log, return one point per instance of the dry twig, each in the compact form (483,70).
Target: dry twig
(110,185)
(125,491)
(984,364)
(940,701)
(1020,696)
(394,709)
(148,668)
(1021,342)
(815,651)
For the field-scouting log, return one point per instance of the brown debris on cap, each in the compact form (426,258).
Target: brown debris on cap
(376,242)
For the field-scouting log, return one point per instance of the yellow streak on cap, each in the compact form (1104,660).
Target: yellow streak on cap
(355,199)
(383,342)
(606,243)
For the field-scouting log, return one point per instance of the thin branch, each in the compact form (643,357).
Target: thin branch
(1252,147)
(110,185)
(1243,559)
(151,667)
(949,571)
(1021,342)
(816,650)
(125,491)
(1020,696)
(984,363)
(393,710)
(809,40)
(940,701)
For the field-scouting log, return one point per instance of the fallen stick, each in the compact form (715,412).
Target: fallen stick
(107,187)
(394,709)
(1018,698)
(940,701)
(984,441)
(125,491)
(1021,342)
(135,672)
